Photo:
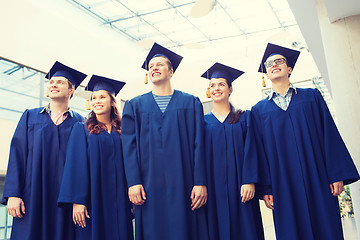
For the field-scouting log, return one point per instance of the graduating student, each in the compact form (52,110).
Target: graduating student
(308,161)
(94,183)
(163,144)
(36,162)
(232,163)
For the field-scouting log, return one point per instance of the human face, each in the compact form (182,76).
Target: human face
(219,89)
(58,88)
(101,102)
(278,71)
(159,70)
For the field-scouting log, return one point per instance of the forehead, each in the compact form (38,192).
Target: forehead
(276,56)
(158,59)
(217,80)
(100,93)
(59,78)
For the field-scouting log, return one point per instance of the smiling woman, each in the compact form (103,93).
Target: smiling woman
(94,183)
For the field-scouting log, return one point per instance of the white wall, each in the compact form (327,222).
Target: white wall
(7,129)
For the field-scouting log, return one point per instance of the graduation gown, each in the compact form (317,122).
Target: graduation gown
(94,176)
(165,153)
(35,170)
(227,171)
(305,154)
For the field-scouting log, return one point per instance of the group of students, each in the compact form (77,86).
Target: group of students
(182,175)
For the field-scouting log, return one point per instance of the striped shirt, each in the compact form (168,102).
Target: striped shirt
(162,101)
(59,118)
(283,101)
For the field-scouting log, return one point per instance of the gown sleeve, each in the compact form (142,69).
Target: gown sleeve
(199,158)
(339,164)
(75,187)
(129,143)
(254,149)
(15,176)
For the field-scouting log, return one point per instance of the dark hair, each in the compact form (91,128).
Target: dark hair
(96,127)
(234,114)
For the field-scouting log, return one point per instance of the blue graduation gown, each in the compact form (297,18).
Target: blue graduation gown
(165,153)
(227,171)
(305,154)
(94,176)
(36,163)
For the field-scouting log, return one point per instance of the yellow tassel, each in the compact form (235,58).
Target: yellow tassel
(87,104)
(208,92)
(47,92)
(146,79)
(263,82)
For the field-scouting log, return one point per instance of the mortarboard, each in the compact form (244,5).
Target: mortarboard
(219,70)
(61,70)
(97,83)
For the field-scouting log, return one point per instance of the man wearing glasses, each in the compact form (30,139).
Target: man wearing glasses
(307,158)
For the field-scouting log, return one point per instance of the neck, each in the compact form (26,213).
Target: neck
(59,106)
(281,85)
(105,119)
(163,89)
(221,108)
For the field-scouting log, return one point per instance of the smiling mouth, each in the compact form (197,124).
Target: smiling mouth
(155,74)
(275,70)
(217,94)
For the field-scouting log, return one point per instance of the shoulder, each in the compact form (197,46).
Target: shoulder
(308,91)
(261,105)
(186,97)
(208,117)
(245,116)
(139,98)
(78,117)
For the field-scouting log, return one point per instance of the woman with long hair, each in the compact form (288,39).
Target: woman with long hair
(232,163)
(94,183)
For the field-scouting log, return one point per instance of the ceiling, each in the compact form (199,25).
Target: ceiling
(170,23)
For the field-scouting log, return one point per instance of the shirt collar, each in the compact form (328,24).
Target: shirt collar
(291,88)
(48,111)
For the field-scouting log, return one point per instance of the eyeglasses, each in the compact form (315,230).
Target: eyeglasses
(271,63)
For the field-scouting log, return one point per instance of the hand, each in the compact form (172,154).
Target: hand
(247,192)
(337,188)
(269,201)
(137,194)
(79,213)
(15,207)
(198,197)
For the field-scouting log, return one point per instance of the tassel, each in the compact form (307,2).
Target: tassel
(208,92)
(263,82)
(87,104)
(47,92)
(146,79)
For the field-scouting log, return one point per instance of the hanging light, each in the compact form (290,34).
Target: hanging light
(201,8)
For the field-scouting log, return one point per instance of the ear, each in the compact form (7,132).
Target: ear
(72,90)
(231,89)
(290,70)
(171,72)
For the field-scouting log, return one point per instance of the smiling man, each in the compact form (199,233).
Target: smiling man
(308,160)
(36,162)
(163,147)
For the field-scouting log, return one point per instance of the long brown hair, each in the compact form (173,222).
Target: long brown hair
(96,127)
(234,114)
